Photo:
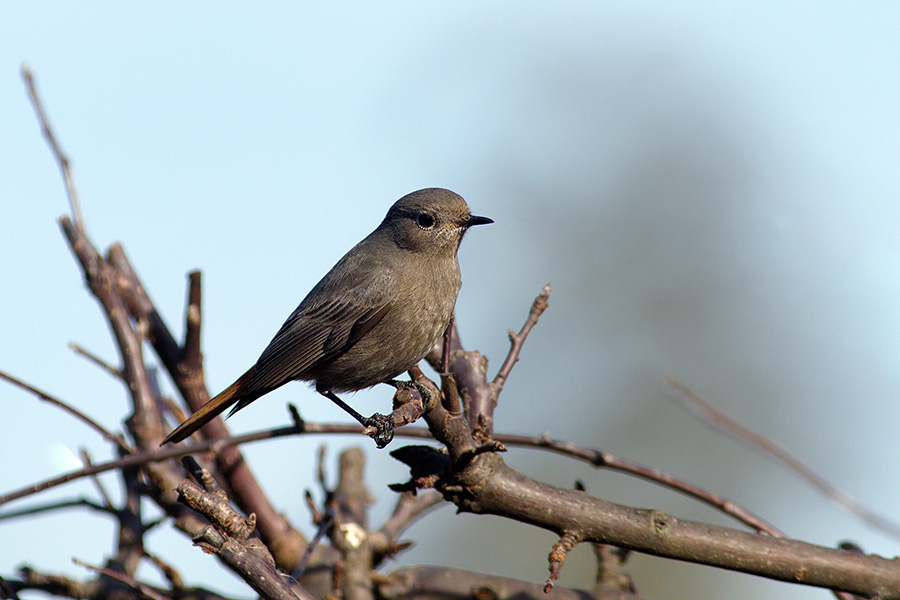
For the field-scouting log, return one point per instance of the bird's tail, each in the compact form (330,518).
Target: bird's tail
(209,411)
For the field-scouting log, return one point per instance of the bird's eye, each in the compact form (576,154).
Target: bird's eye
(425,221)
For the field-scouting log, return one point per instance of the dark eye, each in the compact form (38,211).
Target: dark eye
(425,221)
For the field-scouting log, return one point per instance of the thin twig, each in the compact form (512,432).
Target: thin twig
(324,525)
(320,467)
(45,508)
(517,340)
(722,423)
(123,578)
(86,460)
(168,571)
(61,159)
(116,439)
(80,350)
(408,508)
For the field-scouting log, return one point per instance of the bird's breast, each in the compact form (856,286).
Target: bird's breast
(422,304)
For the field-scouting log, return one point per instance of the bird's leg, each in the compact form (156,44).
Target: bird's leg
(383,424)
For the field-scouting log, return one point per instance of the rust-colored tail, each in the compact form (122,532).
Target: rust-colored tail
(209,411)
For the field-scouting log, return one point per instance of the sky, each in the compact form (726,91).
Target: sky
(711,189)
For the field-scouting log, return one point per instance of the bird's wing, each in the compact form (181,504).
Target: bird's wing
(322,330)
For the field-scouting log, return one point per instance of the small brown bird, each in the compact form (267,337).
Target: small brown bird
(375,315)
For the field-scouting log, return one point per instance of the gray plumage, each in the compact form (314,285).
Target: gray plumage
(373,316)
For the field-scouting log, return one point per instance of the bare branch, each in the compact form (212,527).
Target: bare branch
(97,589)
(54,506)
(229,537)
(447,346)
(131,582)
(78,349)
(481,483)
(57,585)
(101,280)
(185,367)
(487,486)
(168,571)
(61,159)
(325,522)
(130,538)
(191,355)
(470,371)
(517,340)
(408,509)
(719,421)
(596,458)
(98,485)
(164,454)
(109,436)
(610,577)
(567,541)
(350,533)
(604,460)
(438,583)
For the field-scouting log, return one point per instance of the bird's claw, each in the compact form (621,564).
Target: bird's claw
(380,428)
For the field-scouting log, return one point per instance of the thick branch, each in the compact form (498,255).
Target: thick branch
(350,533)
(722,423)
(477,480)
(488,486)
(605,460)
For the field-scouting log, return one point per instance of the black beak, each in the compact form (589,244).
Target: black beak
(474,220)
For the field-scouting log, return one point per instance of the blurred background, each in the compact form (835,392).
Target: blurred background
(710,189)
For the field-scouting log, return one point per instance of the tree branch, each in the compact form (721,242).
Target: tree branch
(184,365)
(229,537)
(81,351)
(61,159)
(107,435)
(605,460)
(437,583)
(480,482)
(517,340)
(719,421)
(143,588)
(488,486)
(350,532)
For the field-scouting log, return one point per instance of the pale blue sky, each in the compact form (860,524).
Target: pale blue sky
(711,189)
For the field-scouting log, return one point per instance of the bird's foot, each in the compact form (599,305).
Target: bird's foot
(380,428)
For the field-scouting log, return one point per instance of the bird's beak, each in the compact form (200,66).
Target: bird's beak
(474,220)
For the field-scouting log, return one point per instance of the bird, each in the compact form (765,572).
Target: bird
(372,317)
